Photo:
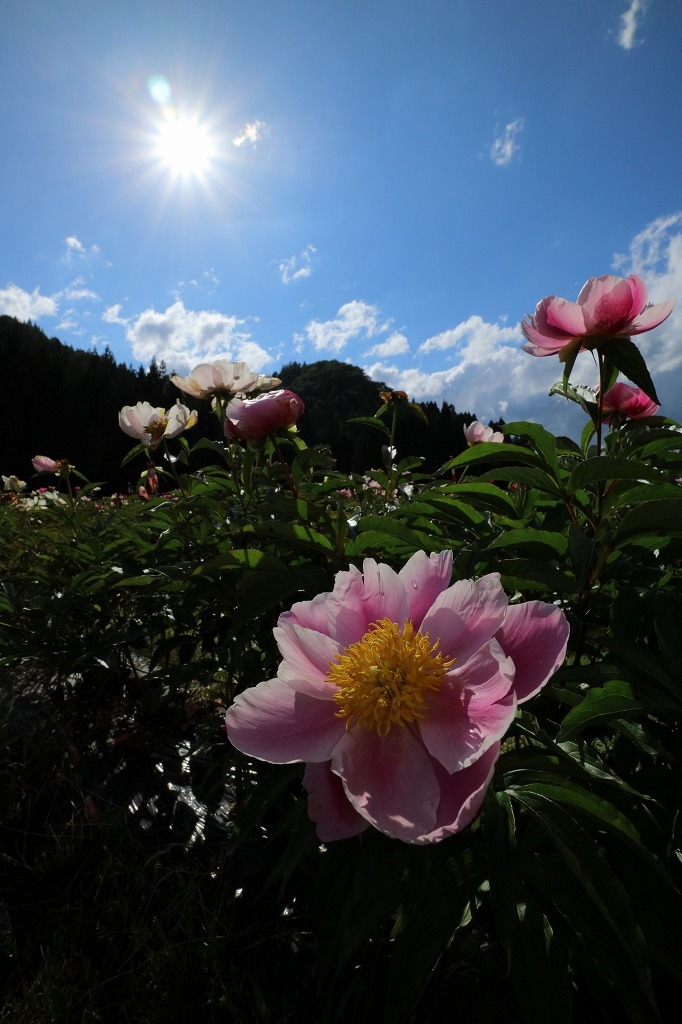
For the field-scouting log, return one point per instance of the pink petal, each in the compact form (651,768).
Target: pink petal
(307,656)
(534,635)
(348,620)
(472,710)
(608,303)
(328,805)
(651,317)
(424,577)
(390,781)
(462,794)
(565,316)
(637,294)
(466,616)
(274,722)
(384,594)
(311,614)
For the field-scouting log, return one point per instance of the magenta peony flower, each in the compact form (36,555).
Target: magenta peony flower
(223,377)
(608,307)
(396,689)
(251,418)
(152,426)
(476,433)
(623,401)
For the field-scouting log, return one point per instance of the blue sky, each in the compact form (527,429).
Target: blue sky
(386,182)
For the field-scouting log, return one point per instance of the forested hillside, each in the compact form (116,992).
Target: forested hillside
(64,403)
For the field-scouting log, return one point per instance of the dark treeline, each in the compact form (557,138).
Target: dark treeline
(64,403)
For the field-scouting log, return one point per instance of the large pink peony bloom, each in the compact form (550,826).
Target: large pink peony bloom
(608,307)
(223,377)
(396,689)
(476,433)
(152,426)
(623,401)
(248,419)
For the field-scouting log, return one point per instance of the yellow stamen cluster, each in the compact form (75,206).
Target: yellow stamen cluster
(157,428)
(383,679)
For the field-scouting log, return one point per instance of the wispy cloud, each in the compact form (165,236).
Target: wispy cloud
(23,305)
(251,134)
(354,320)
(76,250)
(296,267)
(184,337)
(629,23)
(77,291)
(506,145)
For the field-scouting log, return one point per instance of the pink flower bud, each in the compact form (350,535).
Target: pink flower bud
(251,418)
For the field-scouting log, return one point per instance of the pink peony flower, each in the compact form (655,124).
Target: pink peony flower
(251,418)
(44,464)
(476,433)
(223,377)
(623,401)
(152,426)
(608,307)
(396,689)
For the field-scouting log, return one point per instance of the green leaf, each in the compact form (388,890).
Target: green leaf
(604,468)
(661,518)
(544,441)
(585,861)
(499,834)
(438,896)
(553,543)
(581,550)
(625,355)
(614,700)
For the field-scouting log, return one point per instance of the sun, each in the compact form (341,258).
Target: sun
(185,147)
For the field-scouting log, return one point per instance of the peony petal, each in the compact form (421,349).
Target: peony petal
(274,722)
(328,805)
(472,709)
(348,620)
(534,635)
(462,794)
(311,614)
(384,595)
(466,616)
(565,316)
(651,317)
(424,577)
(390,781)
(637,295)
(307,656)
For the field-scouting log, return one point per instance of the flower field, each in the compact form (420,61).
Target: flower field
(280,744)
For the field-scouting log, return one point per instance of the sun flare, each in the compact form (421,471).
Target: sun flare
(185,147)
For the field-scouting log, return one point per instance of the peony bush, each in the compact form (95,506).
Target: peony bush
(437,717)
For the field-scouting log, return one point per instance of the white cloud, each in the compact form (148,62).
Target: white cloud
(505,145)
(295,267)
(355,319)
(16,302)
(629,23)
(489,376)
(76,292)
(395,345)
(75,248)
(656,255)
(251,134)
(112,315)
(183,337)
